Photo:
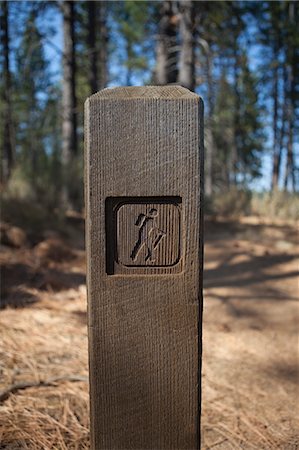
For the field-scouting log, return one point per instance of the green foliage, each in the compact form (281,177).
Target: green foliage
(238,133)
(19,186)
(223,123)
(239,99)
(279,64)
(22,206)
(133,19)
(31,86)
(44,190)
(250,132)
(36,113)
(235,112)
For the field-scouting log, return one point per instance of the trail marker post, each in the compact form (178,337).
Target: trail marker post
(143,161)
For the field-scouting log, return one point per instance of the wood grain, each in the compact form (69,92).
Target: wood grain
(143,164)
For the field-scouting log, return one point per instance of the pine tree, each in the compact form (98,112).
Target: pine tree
(93,33)
(167,45)
(32,84)
(292,67)
(244,145)
(8,140)
(223,133)
(250,131)
(279,40)
(103,43)
(186,75)
(131,17)
(92,53)
(69,99)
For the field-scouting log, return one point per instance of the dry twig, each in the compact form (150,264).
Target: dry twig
(28,384)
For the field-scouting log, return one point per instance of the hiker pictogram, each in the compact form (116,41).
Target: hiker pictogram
(149,235)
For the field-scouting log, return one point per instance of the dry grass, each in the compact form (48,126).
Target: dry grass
(38,343)
(250,361)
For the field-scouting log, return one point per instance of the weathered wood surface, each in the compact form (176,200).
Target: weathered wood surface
(144,254)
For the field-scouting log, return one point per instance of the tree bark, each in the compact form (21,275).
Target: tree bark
(129,70)
(187,53)
(8,139)
(276,150)
(209,144)
(280,145)
(290,165)
(69,103)
(236,131)
(103,45)
(167,46)
(97,45)
(290,172)
(92,52)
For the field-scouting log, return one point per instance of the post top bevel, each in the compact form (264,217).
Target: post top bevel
(169,92)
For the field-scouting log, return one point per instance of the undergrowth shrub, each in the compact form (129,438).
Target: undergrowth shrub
(234,202)
(29,215)
(276,205)
(27,208)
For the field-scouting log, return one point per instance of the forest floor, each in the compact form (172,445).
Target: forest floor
(250,339)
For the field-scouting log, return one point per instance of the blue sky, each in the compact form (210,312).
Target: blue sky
(53,51)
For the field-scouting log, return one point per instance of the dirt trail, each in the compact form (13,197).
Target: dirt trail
(250,360)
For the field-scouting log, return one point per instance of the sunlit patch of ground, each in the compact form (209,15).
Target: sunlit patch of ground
(250,360)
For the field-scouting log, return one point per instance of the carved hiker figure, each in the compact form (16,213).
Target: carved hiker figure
(149,235)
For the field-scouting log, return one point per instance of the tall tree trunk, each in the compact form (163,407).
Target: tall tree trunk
(187,53)
(97,45)
(237,63)
(236,131)
(290,169)
(103,45)
(280,145)
(209,144)
(8,135)
(129,70)
(167,48)
(69,104)
(92,51)
(276,149)
(290,165)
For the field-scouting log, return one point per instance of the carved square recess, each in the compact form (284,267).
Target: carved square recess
(143,235)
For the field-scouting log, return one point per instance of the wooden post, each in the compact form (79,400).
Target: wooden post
(144,177)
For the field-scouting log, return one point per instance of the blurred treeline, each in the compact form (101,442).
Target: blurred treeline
(241,57)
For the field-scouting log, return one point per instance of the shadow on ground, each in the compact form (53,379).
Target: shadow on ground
(245,273)
(20,283)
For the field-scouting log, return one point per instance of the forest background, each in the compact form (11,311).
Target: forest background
(241,57)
